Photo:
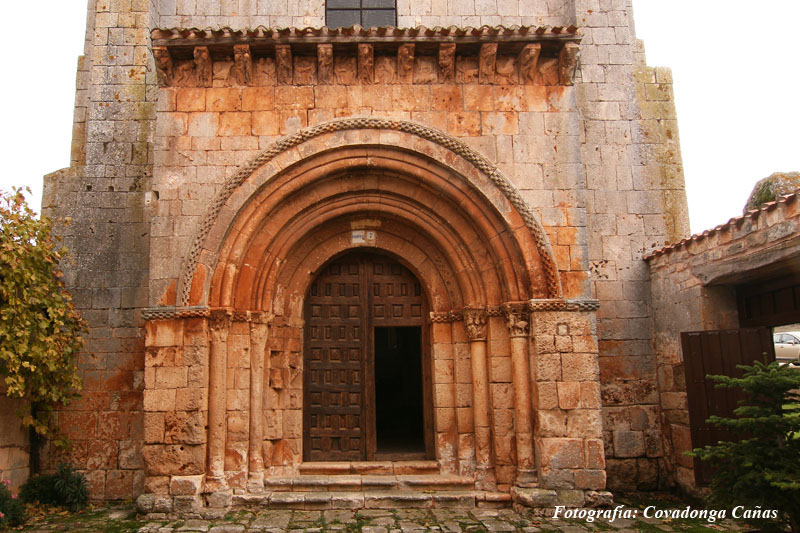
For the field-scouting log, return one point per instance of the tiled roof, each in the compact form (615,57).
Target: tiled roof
(164,36)
(782,201)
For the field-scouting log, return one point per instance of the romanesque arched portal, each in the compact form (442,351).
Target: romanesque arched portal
(446,215)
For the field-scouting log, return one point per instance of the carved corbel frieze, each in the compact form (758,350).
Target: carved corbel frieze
(164,65)
(487,62)
(567,63)
(517,318)
(283,64)
(447,62)
(324,63)
(242,64)
(475,321)
(366,64)
(405,63)
(528,61)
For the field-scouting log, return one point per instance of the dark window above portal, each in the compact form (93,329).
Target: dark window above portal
(366,13)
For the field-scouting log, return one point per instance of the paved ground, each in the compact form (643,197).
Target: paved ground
(367,521)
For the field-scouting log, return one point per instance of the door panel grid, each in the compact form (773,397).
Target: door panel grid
(339,395)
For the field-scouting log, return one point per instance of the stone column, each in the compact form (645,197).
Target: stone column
(518,321)
(475,321)
(219,323)
(259,330)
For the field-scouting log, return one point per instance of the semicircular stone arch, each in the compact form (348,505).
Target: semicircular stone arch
(379,148)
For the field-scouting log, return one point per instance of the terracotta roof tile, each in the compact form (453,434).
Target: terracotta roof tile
(450,33)
(732,223)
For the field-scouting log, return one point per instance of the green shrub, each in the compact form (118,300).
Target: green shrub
(12,512)
(66,488)
(763,468)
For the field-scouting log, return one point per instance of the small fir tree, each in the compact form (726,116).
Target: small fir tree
(39,326)
(763,469)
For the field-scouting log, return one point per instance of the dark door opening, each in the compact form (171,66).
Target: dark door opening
(399,421)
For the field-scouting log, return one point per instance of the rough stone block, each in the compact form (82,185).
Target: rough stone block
(628,443)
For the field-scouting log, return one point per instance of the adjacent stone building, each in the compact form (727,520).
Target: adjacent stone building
(397,264)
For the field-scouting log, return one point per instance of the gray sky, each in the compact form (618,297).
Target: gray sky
(735,69)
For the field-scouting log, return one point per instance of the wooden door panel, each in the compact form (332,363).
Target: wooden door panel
(349,297)
(333,373)
(717,353)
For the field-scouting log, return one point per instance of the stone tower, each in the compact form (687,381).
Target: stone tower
(281,227)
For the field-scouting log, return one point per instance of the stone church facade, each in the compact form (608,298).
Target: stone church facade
(344,267)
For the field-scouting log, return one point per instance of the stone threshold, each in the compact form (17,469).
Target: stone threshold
(369,467)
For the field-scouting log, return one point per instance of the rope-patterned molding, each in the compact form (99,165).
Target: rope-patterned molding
(481,163)
(554,304)
(171,313)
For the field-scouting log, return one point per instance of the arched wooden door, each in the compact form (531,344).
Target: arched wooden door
(364,318)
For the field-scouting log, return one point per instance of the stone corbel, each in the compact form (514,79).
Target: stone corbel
(164,65)
(242,64)
(567,63)
(487,62)
(405,64)
(528,61)
(283,64)
(447,62)
(324,64)
(366,64)
(203,68)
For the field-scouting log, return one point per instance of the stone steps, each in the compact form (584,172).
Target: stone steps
(392,499)
(352,482)
(374,468)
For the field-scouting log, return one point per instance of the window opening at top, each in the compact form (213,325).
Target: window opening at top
(367,13)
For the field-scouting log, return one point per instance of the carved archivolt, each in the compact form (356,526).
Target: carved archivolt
(481,163)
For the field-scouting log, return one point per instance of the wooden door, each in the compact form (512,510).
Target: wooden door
(349,296)
(717,353)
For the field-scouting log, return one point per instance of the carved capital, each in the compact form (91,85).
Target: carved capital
(517,319)
(219,323)
(258,332)
(475,320)
(242,64)
(568,62)
(164,65)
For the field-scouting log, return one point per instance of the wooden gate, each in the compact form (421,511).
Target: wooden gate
(348,298)
(717,353)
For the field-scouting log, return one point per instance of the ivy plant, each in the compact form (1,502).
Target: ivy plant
(40,329)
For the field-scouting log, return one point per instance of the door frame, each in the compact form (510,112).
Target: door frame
(366,256)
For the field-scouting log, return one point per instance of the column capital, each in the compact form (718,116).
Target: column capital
(517,318)
(219,322)
(475,320)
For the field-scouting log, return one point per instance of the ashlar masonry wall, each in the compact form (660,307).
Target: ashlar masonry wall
(635,203)
(597,161)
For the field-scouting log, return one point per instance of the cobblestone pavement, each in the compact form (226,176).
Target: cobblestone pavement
(370,521)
